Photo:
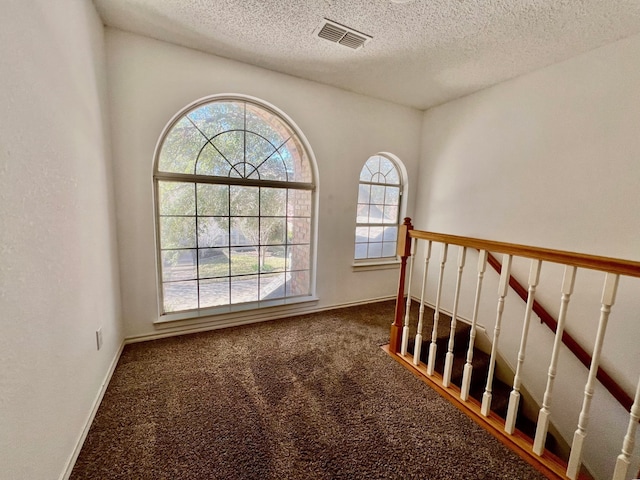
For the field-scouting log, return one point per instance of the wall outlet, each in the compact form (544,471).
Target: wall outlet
(99,338)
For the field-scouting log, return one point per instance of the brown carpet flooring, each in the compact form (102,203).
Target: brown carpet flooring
(310,397)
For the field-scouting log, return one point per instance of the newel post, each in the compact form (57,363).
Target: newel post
(404,250)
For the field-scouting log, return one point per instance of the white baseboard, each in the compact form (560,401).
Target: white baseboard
(94,409)
(248,318)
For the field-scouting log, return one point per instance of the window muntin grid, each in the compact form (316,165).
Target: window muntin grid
(378,209)
(234,196)
(234,139)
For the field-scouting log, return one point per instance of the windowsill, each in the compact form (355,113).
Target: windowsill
(363,266)
(239,311)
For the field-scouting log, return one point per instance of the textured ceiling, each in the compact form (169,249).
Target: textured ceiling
(423,53)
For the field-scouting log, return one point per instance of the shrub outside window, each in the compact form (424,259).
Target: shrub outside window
(234,207)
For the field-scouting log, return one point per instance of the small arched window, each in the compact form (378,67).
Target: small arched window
(378,212)
(234,185)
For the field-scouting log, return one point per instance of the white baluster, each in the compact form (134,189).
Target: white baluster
(543,416)
(468,367)
(502,293)
(436,314)
(608,299)
(448,364)
(514,398)
(405,327)
(418,343)
(623,461)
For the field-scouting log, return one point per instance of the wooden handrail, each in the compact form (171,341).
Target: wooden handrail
(609,265)
(594,262)
(581,354)
(606,264)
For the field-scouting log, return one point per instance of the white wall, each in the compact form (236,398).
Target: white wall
(58,266)
(150,81)
(551,159)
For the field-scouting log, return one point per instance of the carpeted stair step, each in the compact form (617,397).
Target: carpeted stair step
(500,390)
(461,345)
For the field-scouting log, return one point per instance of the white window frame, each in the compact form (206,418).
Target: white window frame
(224,310)
(392,262)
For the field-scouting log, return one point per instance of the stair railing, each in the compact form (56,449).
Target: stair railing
(571,343)
(534,451)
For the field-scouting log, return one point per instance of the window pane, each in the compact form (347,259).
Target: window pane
(299,230)
(273,231)
(273,202)
(180,148)
(251,172)
(244,201)
(389,249)
(391,214)
(378,178)
(211,162)
(180,296)
(176,198)
(362,235)
(373,164)
(231,147)
(298,283)
(390,234)
(392,196)
(272,286)
(386,166)
(244,260)
(178,265)
(364,192)
(273,169)
(213,262)
(375,250)
(377,194)
(361,251)
(296,162)
(362,215)
(216,117)
(213,232)
(214,292)
(177,232)
(376,213)
(297,257)
(299,203)
(244,231)
(213,200)
(375,234)
(272,259)
(258,149)
(244,289)
(365,174)
(393,177)
(267,125)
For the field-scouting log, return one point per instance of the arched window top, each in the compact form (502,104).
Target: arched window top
(234,138)
(235,193)
(380,192)
(381,170)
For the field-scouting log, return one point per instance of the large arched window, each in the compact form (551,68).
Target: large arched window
(378,211)
(234,185)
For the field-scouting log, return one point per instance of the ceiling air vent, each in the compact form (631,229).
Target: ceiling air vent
(336,33)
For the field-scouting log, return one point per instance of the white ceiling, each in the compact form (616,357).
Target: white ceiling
(423,53)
